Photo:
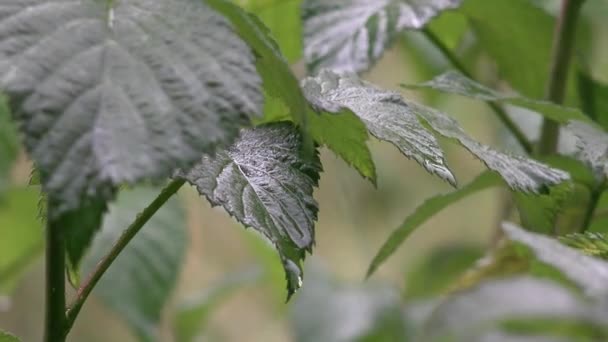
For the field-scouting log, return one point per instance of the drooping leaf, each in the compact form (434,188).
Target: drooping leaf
(9,145)
(590,243)
(427,210)
(263,181)
(121,91)
(282,17)
(193,313)
(473,314)
(456,83)
(592,144)
(21,235)
(589,273)
(351,35)
(387,116)
(280,85)
(594,98)
(6,337)
(141,279)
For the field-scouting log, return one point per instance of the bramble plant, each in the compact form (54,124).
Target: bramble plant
(111,98)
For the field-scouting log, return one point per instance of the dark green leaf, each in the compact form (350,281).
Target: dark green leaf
(193,313)
(265,183)
(594,98)
(353,35)
(456,83)
(590,243)
(21,235)
(475,314)
(9,145)
(592,144)
(140,281)
(427,210)
(589,273)
(121,91)
(6,337)
(387,116)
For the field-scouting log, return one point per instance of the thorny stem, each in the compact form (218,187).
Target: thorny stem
(563,45)
(55,320)
(87,287)
(502,115)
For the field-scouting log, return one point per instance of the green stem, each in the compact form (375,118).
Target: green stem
(563,45)
(55,284)
(87,287)
(502,115)
(594,202)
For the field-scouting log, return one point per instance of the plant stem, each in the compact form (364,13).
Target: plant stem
(55,284)
(594,201)
(502,115)
(87,287)
(563,45)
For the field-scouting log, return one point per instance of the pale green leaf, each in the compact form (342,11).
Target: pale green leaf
(456,83)
(594,98)
(141,279)
(351,35)
(9,145)
(121,91)
(427,210)
(6,337)
(265,183)
(590,243)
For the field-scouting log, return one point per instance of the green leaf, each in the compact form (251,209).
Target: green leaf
(282,17)
(280,85)
(592,144)
(594,98)
(265,183)
(352,35)
(427,210)
(387,116)
(117,92)
(6,337)
(21,235)
(346,135)
(475,314)
(9,145)
(141,279)
(589,273)
(590,243)
(193,313)
(456,83)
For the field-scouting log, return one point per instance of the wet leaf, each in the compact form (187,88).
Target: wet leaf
(141,279)
(351,35)
(387,116)
(263,181)
(592,144)
(424,212)
(117,92)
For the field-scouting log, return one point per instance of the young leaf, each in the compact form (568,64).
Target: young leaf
(9,145)
(590,243)
(387,116)
(6,337)
(21,235)
(468,315)
(427,210)
(140,281)
(456,83)
(589,273)
(108,92)
(265,183)
(592,144)
(352,35)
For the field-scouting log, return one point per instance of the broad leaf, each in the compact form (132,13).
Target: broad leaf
(193,313)
(265,183)
(351,35)
(589,273)
(21,235)
(140,281)
(456,83)
(590,243)
(592,144)
(387,116)
(280,85)
(470,315)
(121,91)
(6,337)
(9,145)
(594,98)
(424,212)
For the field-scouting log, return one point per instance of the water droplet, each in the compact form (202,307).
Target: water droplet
(293,274)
